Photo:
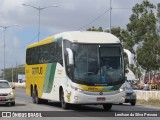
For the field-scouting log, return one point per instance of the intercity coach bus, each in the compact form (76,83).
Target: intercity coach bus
(71,68)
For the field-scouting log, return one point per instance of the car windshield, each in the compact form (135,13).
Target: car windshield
(134,87)
(128,86)
(4,85)
(97,64)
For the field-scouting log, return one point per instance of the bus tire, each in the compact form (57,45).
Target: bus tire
(133,103)
(64,105)
(107,106)
(44,101)
(35,98)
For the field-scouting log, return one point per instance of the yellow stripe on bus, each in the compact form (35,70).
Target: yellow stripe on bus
(95,88)
(43,42)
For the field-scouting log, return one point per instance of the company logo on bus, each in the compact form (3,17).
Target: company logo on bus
(37,70)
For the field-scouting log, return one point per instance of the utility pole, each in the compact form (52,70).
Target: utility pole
(110,20)
(16,72)
(39,13)
(5,29)
(12,74)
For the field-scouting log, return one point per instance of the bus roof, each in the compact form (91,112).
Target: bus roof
(80,37)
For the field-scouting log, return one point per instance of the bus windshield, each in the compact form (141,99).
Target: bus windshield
(97,64)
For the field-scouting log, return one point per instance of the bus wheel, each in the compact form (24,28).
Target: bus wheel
(35,98)
(133,103)
(44,101)
(64,105)
(107,106)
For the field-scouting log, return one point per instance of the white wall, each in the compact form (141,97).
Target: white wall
(146,95)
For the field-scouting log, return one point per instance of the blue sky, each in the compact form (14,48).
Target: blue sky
(70,15)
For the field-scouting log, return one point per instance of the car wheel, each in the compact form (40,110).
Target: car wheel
(7,104)
(12,103)
(133,103)
(107,106)
(64,105)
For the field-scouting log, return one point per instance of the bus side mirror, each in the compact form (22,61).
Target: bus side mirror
(70,56)
(70,63)
(129,55)
(125,78)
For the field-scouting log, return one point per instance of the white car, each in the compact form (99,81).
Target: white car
(130,96)
(7,95)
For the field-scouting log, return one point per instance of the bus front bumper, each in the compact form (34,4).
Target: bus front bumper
(81,98)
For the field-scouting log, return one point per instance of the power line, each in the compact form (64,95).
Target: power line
(93,20)
(100,17)
(122,8)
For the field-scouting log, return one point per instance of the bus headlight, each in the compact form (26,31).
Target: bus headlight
(76,89)
(79,90)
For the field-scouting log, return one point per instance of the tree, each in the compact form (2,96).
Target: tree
(16,71)
(148,54)
(137,72)
(143,33)
(142,22)
(100,29)
(158,11)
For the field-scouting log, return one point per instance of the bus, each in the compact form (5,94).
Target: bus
(69,68)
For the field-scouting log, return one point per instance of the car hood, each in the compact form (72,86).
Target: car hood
(129,91)
(5,90)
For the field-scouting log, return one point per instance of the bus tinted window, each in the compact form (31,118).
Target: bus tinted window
(48,53)
(110,51)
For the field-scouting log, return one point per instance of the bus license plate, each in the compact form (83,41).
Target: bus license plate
(101,99)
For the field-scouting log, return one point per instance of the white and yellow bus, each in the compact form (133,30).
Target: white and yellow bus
(70,67)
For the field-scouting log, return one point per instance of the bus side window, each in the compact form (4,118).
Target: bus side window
(28,56)
(51,55)
(52,52)
(36,57)
(32,56)
(40,55)
(45,54)
(59,52)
